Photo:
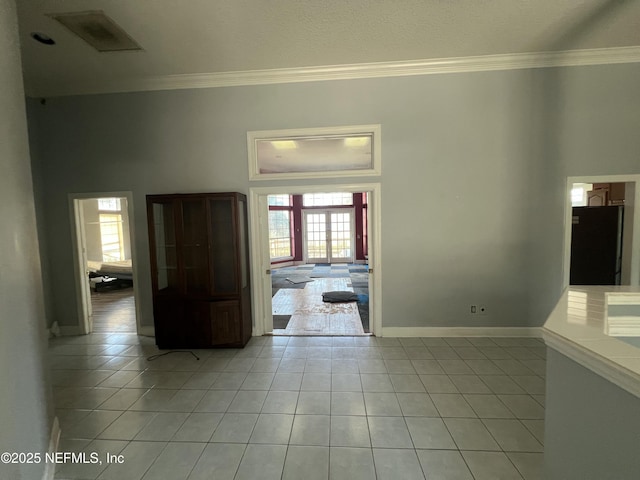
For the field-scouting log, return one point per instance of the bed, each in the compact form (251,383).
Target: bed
(113,274)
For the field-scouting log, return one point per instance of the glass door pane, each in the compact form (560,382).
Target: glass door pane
(223,246)
(194,246)
(164,230)
(341,237)
(316,237)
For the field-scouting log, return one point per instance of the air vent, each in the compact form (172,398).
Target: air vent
(97,30)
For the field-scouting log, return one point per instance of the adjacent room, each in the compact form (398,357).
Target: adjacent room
(319,258)
(104,234)
(601,233)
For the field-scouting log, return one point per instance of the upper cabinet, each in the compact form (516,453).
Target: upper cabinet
(604,194)
(199,267)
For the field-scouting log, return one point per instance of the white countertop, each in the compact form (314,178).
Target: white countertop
(577,328)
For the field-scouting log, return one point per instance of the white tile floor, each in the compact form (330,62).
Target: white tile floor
(303,407)
(311,316)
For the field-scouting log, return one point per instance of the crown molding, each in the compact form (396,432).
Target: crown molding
(568,58)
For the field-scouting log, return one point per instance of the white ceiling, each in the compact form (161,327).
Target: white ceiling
(200,38)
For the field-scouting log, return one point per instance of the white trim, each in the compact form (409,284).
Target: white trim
(609,370)
(376,151)
(533,332)
(481,63)
(291,263)
(635,240)
(54,440)
(78,241)
(261,298)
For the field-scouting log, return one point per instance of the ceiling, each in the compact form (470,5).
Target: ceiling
(191,41)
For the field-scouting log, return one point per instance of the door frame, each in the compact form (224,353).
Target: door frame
(261,261)
(78,243)
(327,212)
(634,274)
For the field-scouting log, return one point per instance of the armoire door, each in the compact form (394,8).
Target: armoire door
(225,323)
(224,249)
(194,247)
(162,218)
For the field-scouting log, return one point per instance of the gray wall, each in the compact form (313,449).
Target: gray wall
(592,427)
(26,411)
(473,178)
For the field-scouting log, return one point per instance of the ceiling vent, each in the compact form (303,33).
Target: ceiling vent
(97,30)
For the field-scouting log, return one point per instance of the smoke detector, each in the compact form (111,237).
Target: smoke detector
(98,30)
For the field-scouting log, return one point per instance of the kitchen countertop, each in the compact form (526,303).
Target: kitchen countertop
(578,327)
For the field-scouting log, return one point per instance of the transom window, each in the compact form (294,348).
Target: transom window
(327,199)
(279,200)
(109,204)
(326,152)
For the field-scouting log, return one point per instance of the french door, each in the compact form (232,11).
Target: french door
(329,236)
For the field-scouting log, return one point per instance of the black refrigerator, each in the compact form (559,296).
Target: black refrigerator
(596,245)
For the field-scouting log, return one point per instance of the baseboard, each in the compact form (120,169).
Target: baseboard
(71,330)
(535,332)
(50,467)
(289,263)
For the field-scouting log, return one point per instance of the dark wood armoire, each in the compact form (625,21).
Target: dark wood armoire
(200,269)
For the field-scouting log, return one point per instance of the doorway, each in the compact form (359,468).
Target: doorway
(103,254)
(602,230)
(343,251)
(329,236)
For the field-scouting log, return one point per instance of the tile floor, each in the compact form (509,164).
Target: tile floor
(303,407)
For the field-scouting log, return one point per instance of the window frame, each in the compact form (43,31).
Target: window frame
(117,221)
(287,208)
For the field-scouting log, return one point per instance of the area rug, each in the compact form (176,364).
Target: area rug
(363,308)
(279,280)
(281,321)
(299,279)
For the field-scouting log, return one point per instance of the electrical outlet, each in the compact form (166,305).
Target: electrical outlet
(478,310)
